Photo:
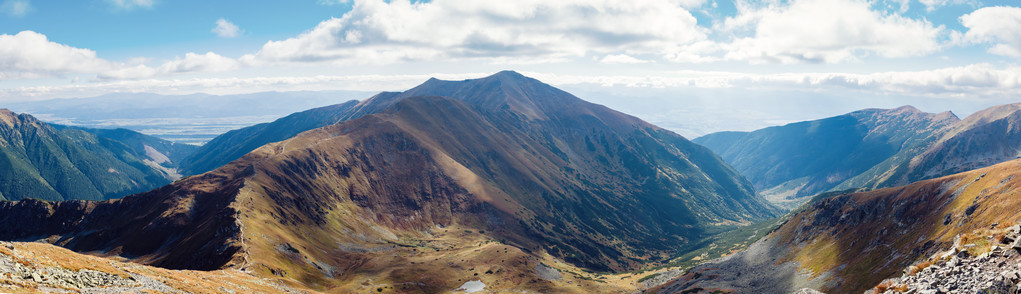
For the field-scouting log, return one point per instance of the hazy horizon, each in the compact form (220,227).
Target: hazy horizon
(692,66)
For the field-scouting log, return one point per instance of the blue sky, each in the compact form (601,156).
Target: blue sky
(959,55)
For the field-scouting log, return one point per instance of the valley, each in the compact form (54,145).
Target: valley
(504,183)
(423,194)
(484,146)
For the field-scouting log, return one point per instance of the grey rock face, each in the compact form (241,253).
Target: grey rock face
(956,271)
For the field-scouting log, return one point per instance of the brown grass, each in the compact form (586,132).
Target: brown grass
(919,267)
(889,286)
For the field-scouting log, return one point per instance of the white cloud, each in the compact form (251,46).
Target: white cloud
(332,2)
(31,55)
(621,59)
(902,5)
(130,4)
(999,25)
(209,62)
(972,81)
(975,82)
(231,85)
(191,63)
(16,8)
(378,32)
(691,4)
(931,5)
(828,31)
(226,29)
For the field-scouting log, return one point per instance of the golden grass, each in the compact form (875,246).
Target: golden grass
(45,255)
(876,248)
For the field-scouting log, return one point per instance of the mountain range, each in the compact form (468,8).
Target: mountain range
(869,149)
(497,179)
(54,162)
(509,184)
(848,243)
(192,119)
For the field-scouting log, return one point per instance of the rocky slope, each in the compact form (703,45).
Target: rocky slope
(849,243)
(43,161)
(994,267)
(803,159)
(505,179)
(44,268)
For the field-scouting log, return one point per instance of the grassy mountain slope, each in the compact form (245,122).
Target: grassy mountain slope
(851,242)
(805,158)
(56,163)
(163,152)
(984,138)
(32,267)
(234,144)
(428,194)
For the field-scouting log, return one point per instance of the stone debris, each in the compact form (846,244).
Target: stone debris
(957,271)
(22,272)
(58,277)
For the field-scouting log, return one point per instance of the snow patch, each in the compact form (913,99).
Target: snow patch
(472,286)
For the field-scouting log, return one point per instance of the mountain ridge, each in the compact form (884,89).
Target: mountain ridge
(804,158)
(848,243)
(57,162)
(577,184)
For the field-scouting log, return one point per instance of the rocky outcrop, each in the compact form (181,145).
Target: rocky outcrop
(19,273)
(27,267)
(958,270)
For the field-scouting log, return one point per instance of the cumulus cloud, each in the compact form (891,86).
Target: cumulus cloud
(231,85)
(931,5)
(191,63)
(999,26)
(377,31)
(977,81)
(31,55)
(226,29)
(981,80)
(823,31)
(16,8)
(130,4)
(621,59)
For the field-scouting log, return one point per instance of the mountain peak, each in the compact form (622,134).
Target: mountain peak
(7,117)
(988,115)
(906,109)
(947,115)
(508,74)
